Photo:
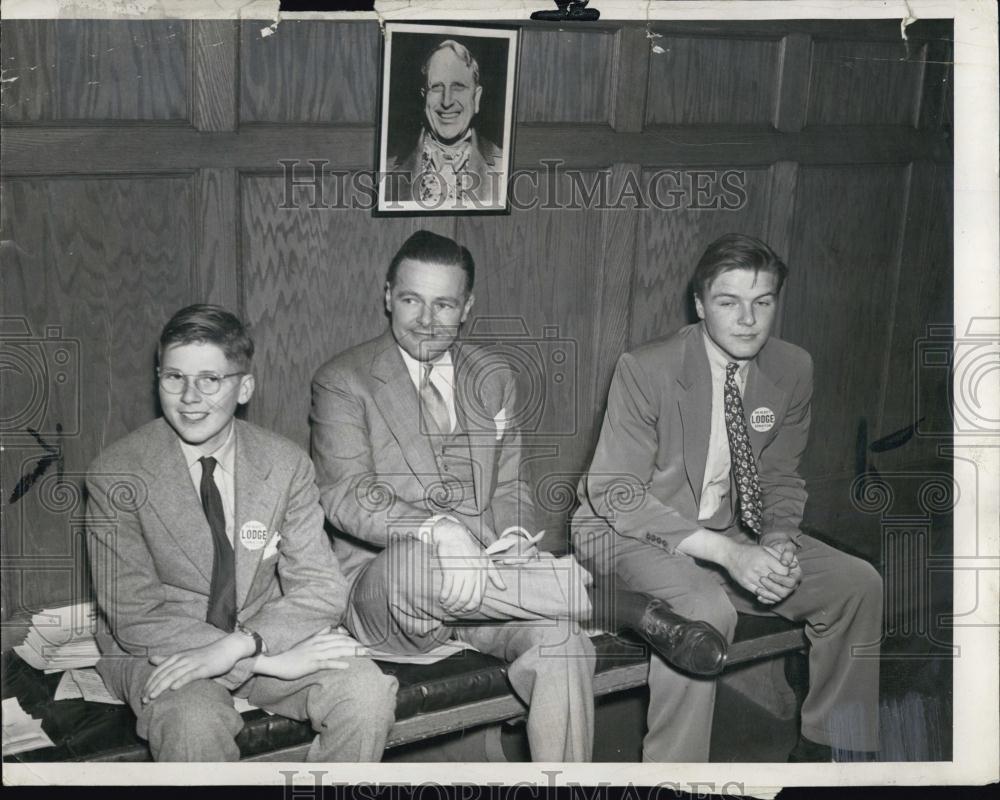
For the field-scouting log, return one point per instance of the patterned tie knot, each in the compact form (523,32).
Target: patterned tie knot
(208,465)
(731,368)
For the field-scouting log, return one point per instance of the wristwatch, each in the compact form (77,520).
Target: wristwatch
(258,642)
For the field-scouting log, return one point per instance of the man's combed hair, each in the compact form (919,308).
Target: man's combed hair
(737,251)
(207,324)
(460,51)
(434,249)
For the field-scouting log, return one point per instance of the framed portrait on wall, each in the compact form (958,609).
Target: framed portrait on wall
(447,118)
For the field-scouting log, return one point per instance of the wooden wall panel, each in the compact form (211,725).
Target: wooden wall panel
(91,269)
(28,90)
(70,70)
(314,72)
(537,271)
(670,242)
(698,81)
(838,301)
(312,283)
(565,76)
(916,384)
(865,83)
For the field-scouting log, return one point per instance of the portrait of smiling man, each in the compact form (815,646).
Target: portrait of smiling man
(451,164)
(708,426)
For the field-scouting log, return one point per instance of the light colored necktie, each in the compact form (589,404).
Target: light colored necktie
(741,454)
(432,405)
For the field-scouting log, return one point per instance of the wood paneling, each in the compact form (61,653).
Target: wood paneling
(565,76)
(91,270)
(28,64)
(70,70)
(820,117)
(214,104)
(630,79)
(672,240)
(29,151)
(865,83)
(312,282)
(313,72)
(916,387)
(699,81)
(537,272)
(842,274)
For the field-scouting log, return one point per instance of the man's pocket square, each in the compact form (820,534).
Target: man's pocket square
(500,420)
(272,547)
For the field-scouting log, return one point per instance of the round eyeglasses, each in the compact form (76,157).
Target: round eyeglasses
(174,382)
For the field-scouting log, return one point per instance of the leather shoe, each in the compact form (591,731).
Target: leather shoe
(693,646)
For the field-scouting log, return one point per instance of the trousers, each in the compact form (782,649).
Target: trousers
(532,624)
(351,710)
(840,602)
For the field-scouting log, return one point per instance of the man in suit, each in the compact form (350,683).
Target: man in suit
(209,560)
(694,496)
(417,455)
(451,165)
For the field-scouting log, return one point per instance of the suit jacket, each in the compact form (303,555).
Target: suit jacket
(646,477)
(485,161)
(378,473)
(151,552)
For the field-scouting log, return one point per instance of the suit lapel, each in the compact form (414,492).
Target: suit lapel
(477,422)
(762,393)
(397,399)
(696,409)
(177,504)
(256,500)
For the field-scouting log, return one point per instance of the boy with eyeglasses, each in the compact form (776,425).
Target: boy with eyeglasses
(210,562)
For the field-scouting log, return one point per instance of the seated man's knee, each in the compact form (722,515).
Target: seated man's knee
(863,580)
(714,608)
(362,692)
(192,714)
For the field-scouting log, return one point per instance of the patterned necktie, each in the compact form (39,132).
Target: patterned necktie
(741,454)
(222,594)
(432,405)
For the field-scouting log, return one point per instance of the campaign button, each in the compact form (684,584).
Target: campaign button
(253,535)
(762,419)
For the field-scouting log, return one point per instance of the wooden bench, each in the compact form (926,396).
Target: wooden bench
(461,692)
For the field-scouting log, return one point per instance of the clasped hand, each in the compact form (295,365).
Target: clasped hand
(770,571)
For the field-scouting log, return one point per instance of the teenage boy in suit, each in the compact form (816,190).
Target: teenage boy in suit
(209,560)
(706,428)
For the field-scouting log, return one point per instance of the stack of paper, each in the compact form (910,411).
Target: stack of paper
(21,732)
(61,638)
(85,684)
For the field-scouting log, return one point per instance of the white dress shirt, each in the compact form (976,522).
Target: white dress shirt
(442,376)
(224,474)
(715,487)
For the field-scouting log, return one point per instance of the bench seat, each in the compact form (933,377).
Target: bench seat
(462,691)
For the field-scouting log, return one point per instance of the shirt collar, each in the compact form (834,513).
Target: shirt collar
(718,360)
(224,456)
(442,366)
